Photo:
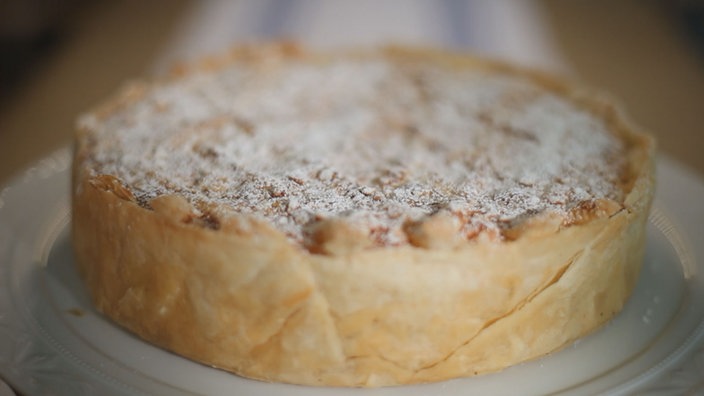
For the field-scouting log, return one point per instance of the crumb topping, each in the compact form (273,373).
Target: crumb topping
(373,141)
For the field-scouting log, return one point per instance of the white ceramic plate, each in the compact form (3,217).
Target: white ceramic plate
(53,341)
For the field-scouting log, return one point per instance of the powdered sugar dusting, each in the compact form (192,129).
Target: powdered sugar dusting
(367,139)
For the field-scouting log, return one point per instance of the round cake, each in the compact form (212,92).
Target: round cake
(361,217)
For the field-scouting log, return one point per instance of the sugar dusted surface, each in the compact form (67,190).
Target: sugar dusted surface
(369,140)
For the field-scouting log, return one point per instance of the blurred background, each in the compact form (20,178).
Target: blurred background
(60,57)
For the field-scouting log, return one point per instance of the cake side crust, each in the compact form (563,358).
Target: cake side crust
(255,305)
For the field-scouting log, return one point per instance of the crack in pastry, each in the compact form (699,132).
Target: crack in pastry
(359,218)
(557,276)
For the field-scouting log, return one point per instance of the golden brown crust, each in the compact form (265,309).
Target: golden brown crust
(242,297)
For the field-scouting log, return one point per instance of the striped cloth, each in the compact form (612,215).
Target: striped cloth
(513,30)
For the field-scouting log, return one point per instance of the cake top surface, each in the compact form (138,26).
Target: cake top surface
(372,140)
